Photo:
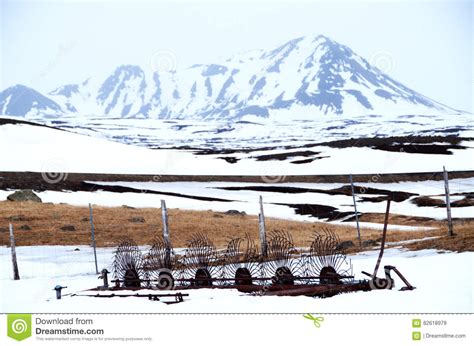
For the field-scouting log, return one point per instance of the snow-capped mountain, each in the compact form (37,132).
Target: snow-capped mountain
(305,77)
(24,101)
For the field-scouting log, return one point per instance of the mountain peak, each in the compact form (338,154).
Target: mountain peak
(282,50)
(20,100)
(18,87)
(125,79)
(129,68)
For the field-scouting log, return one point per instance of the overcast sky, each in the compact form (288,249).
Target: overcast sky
(425,45)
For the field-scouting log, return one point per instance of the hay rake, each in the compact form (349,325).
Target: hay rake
(321,270)
(277,268)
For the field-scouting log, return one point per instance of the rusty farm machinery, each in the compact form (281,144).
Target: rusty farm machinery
(276,267)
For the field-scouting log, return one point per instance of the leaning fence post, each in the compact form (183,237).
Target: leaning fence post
(166,233)
(16,274)
(448,202)
(355,209)
(261,227)
(93,238)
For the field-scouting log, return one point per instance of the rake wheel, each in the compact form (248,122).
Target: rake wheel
(200,261)
(284,276)
(326,260)
(128,265)
(160,261)
(240,261)
(243,276)
(280,263)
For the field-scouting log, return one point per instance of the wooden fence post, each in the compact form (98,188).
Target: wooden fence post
(16,273)
(448,202)
(164,216)
(261,227)
(93,238)
(355,210)
(166,233)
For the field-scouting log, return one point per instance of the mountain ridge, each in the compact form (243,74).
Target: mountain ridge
(305,77)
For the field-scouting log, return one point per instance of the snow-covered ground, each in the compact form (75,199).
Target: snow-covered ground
(40,149)
(247,199)
(444,285)
(255,132)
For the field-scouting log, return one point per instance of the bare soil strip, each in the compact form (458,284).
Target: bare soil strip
(75,181)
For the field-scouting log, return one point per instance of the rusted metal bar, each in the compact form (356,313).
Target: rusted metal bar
(384,235)
(317,290)
(136,295)
(408,286)
(178,297)
(296,278)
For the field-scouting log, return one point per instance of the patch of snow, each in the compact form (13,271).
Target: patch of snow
(43,267)
(78,153)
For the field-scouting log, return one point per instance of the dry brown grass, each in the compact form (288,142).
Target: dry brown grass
(463,240)
(113,225)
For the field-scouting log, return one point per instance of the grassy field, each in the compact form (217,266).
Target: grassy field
(41,223)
